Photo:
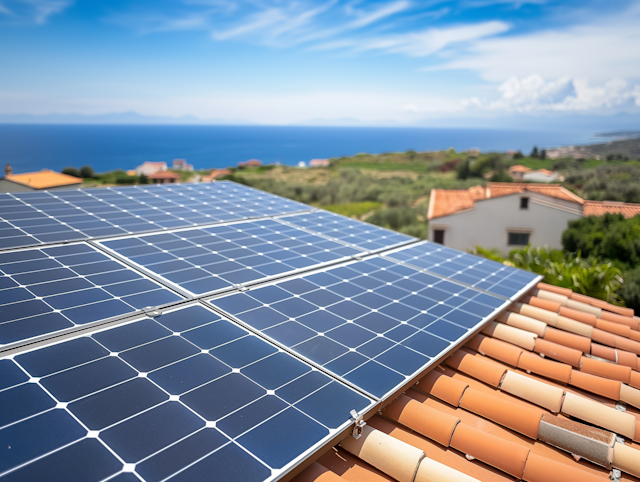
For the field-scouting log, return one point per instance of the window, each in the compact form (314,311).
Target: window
(518,239)
(524,203)
(438,236)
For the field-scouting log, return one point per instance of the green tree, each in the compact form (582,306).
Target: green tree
(543,154)
(462,169)
(518,155)
(534,152)
(87,172)
(143,179)
(71,171)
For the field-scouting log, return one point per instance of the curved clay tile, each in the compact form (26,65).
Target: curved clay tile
(634,379)
(351,468)
(626,344)
(510,334)
(628,312)
(535,313)
(318,473)
(534,391)
(603,337)
(443,387)
(599,414)
(542,469)
(554,289)
(547,368)
(627,359)
(507,456)
(573,326)
(548,305)
(611,327)
(586,307)
(630,396)
(581,298)
(577,342)
(431,423)
(595,384)
(483,370)
(621,320)
(580,316)
(635,335)
(626,459)
(551,296)
(432,471)
(591,443)
(500,350)
(605,352)
(516,417)
(605,370)
(523,322)
(386,453)
(558,352)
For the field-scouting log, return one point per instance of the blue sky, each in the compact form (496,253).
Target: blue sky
(392,62)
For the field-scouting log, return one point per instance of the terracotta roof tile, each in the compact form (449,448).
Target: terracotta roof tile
(519,168)
(599,208)
(44,179)
(483,370)
(553,190)
(500,350)
(597,414)
(443,387)
(605,352)
(539,393)
(164,175)
(546,368)
(558,352)
(605,370)
(541,469)
(581,316)
(577,342)
(448,201)
(516,336)
(523,322)
(556,289)
(595,384)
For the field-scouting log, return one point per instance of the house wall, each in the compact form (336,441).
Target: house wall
(9,186)
(536,176)
(488,223)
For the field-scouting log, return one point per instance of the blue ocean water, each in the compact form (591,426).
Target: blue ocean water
(108,147)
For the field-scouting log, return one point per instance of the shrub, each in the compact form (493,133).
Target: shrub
(87,172)
(71,171)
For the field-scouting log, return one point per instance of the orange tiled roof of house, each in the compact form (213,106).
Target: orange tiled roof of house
(548,392)
(215,174)
(449,201)
(43,179)
(519,168)
(599,208)
(164,175)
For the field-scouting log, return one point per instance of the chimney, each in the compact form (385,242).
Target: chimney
(7,170)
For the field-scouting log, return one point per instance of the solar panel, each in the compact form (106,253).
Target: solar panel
(482,273)
(46,290)
(186,395)
(355,233)
(374,323)
(207,260)
(32,218)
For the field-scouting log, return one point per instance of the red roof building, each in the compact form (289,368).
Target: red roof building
(164,177)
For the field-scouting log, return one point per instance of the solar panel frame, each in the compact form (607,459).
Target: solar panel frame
(51,386)
(71,264)
(274,226)
(405,256)
(318,222)
(40,217)
(267,330)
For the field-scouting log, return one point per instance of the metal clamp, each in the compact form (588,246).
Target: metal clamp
(151,311)
(240,287)
(359,425)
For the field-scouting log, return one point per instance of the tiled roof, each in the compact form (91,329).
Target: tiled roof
(43,179)
(599,208)
(554,190)
(550,391)
(449,201)
(164,175)
(519,168)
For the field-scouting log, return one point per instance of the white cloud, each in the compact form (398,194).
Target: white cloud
(604,49)
(37,11)
(534,94)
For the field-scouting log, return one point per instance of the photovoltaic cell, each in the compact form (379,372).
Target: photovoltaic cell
(181,396)
(43,291)
(374,323)
(355,233)
(211,259)
(31,218)
(466,268)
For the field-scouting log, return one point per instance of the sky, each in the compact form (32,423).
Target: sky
(351,62)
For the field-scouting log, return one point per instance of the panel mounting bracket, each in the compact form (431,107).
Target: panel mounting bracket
(151,311)
(240,287)
(359,424)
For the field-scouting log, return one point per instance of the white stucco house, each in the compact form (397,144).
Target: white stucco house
(507,216)
(149,168)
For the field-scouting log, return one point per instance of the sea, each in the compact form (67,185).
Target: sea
(28,147)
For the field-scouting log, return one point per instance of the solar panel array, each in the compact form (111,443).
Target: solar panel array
(199,329)
(32,218)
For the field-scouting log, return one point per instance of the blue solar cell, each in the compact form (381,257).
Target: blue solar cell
(378,329)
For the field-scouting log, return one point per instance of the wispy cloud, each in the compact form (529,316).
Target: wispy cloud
(37,11)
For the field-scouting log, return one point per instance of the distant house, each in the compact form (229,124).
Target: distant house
(37,181)
(507,216)
(181,165)
(319,163)
(164,177)
(149,168)
(250,163)
(524,173)
(216,173)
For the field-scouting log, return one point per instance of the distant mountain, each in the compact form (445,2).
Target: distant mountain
(629,148)
(112,118)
